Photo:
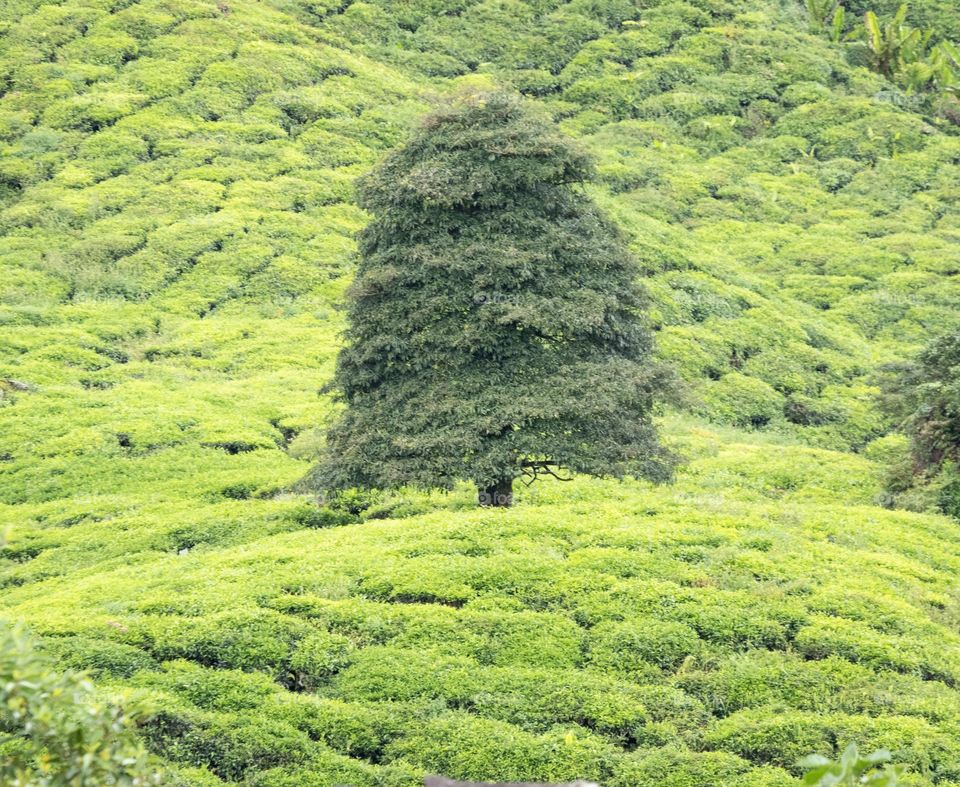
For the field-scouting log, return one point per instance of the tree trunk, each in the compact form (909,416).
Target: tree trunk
(500,495)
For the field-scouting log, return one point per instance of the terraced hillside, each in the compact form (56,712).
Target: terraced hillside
(176,234)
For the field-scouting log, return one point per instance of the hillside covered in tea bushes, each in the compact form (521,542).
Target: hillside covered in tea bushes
(177,224)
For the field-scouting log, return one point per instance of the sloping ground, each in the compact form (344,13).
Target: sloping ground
(176,232)
(708,633)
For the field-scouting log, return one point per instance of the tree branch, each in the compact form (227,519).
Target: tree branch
(533,469)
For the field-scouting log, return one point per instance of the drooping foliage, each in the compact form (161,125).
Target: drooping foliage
(495,326)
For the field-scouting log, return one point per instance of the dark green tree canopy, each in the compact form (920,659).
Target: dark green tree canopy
(926,395)
(495,325)
(923,395)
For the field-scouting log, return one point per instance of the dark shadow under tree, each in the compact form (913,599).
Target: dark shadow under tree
(495,326)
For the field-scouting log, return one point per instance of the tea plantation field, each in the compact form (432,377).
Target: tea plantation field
(176,234)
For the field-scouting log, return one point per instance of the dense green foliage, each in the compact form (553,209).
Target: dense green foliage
(177,220)
(918,60)
(933,391)
(717,629)
(924,395)
(54,732)
(852,769)
(495,324)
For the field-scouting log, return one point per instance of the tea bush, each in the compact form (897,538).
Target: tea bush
(467,748)
(629,646)
(241,640)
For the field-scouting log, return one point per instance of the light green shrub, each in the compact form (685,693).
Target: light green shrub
(857,642)
(744,401)
(98,656)
(762,678)
(331,770)
(631,646)
(239,640)
(354,729)
(211,689)
(317,657)
(92,112)
(674,766)
(228,746)
(771,735)
(468,748)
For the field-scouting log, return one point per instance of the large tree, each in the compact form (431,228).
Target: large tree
(495,324)
(924,395)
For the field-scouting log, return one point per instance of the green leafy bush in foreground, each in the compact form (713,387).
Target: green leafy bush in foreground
(55,731)
(851,769)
